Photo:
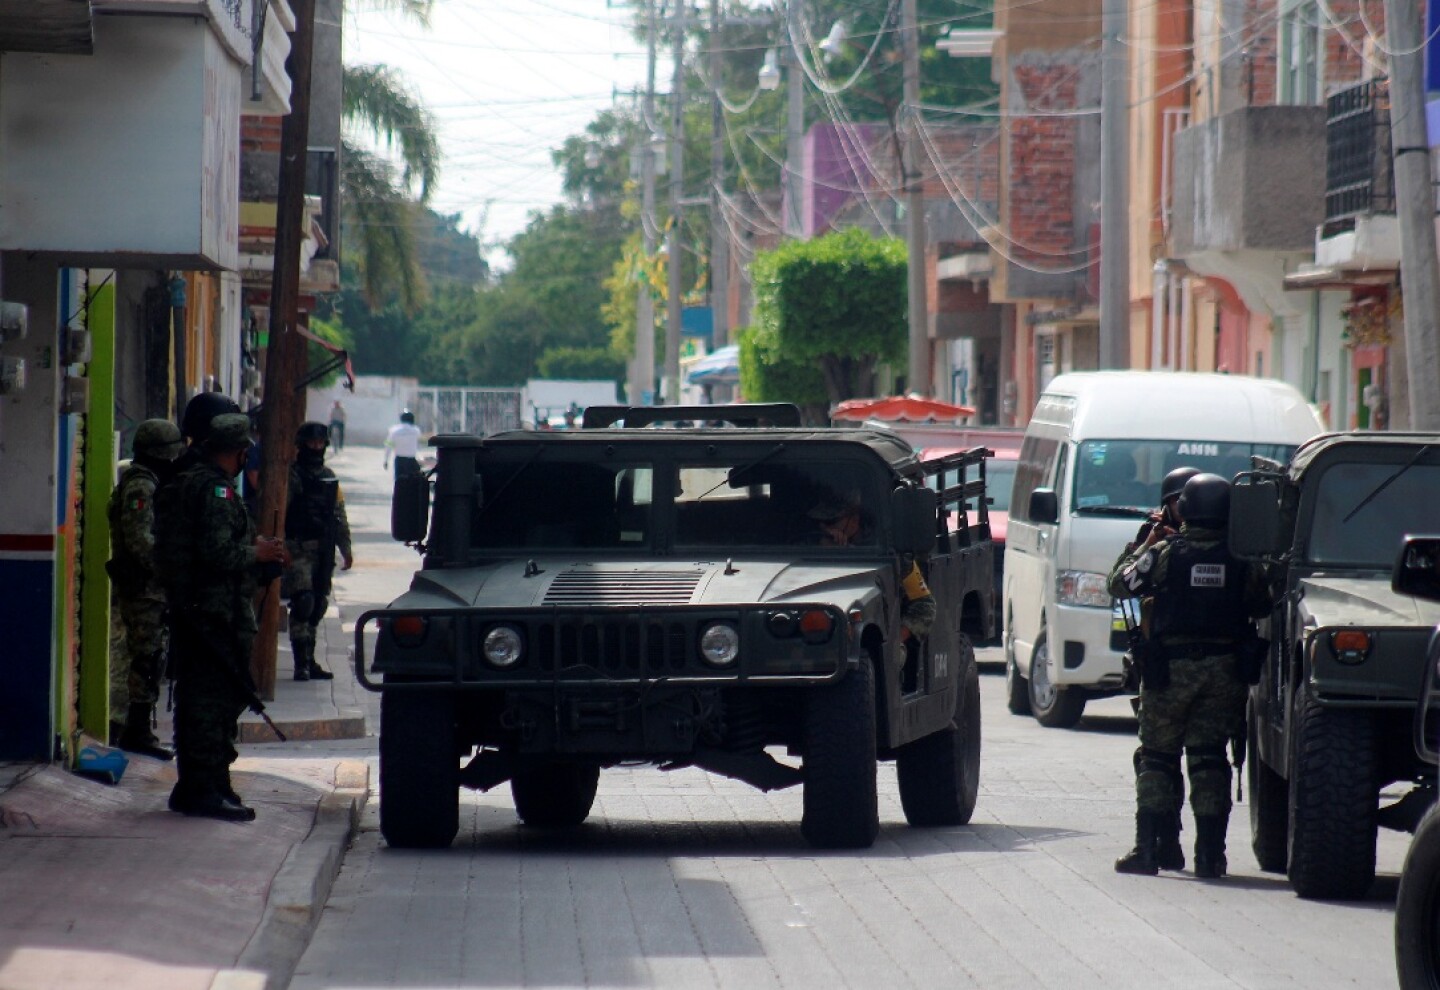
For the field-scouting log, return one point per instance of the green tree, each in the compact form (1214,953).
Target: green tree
(768,374)
(592,363)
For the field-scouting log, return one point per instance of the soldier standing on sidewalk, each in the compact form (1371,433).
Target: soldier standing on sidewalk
(136,668)
(209,557)
(315,527)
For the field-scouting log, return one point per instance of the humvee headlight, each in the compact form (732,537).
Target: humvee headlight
(503,646)
(1350,645)
(720,644)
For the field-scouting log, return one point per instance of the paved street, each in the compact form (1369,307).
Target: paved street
(686,879)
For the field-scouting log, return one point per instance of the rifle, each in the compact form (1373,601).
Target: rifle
(1237,757)
(1146,665)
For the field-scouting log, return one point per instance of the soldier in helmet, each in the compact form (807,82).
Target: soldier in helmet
(1202,605)
(315,527)
(209,558)
(195,423)
(136,668)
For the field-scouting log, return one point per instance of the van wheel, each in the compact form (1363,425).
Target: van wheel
(419,770)
(1417,909)
(1053,707)
(1017,692)
(939,774)
(841,806)
(1269,815)
(556,796)
(1333,802)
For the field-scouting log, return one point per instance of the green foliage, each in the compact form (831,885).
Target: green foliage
(768,374)
(316,355)
(583,363)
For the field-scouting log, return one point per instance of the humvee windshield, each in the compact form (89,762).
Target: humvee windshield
(1371,537)
(705,498)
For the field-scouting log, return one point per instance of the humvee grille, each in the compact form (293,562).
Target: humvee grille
(622,588)
(621,644)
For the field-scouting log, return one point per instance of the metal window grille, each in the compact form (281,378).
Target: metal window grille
(1359,178)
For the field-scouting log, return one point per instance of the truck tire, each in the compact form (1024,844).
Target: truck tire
(1333,802)
(1053,707)
(1017,692)
(559,795)
(419,770)
(1417,909)
(841,808)
(939,774)
(1269,813)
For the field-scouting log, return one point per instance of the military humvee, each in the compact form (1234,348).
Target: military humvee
(625,592)
(1330,721)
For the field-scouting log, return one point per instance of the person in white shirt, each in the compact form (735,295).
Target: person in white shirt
(404,442)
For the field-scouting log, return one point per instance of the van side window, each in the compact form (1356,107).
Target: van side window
(1036,469)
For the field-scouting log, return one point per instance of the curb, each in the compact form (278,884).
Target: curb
(300,888)
(348,724)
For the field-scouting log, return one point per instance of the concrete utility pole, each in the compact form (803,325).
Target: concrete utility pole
(1114,192)
(1415,205)
(642,386)
(918,379)
(794,122)
(285,356)
(673,263)
(719,236)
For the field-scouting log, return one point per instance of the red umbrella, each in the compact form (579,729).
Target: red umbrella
(901,409)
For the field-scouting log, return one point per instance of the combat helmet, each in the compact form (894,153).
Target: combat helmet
(159,439)
(230,431)
(1205,501)
(312,431)
(1174,483)
(200,410)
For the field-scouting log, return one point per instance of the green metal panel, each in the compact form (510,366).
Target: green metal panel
(99,461)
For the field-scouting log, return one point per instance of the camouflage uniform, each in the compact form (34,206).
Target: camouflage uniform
(205,549)
(316,526)
(136,668)
(1203,705)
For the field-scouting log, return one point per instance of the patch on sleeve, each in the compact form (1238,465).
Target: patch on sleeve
(1207,576)
(137,504)
(1134,575)
(224,491)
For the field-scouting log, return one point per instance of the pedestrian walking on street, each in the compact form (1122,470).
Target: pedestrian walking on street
(315,527)
(1201,605)
(404,442)
(209,559)
(137,666)
(337,426)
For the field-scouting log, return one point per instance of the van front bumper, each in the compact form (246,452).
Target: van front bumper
(1079,641)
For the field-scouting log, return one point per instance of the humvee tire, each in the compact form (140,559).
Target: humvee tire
(419,770)
(939,775)
(1333,802)
(559,795)
(841,807)
(1269,808)
(1053,707)
(1417,908)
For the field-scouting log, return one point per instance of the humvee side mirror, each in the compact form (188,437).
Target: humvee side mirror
(1254,530)
(1044,506)
(912,511)
(1417,571)
(410,508)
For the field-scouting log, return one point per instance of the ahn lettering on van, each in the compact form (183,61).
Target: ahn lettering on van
(1199,449)
(1207,576)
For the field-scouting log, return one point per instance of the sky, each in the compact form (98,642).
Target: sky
(506,81)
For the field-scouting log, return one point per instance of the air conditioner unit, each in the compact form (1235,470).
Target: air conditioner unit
(14,320)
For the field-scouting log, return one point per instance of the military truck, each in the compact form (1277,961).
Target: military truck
(634,592)
(1329,723)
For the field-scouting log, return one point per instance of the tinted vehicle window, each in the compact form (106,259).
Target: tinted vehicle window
(1120,474)
(557,503)
(1346,533)
(1032,471)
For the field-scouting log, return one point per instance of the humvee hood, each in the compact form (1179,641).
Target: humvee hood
(1363,601)
(516,583)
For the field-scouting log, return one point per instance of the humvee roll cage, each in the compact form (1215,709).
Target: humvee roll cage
(747,415)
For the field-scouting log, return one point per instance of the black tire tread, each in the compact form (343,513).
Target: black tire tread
(1069,704)
(419,770)
(939,774)
(1417,908)
(841,805)
(1269,814)
(556,796)
(1017,690)
(1333,803)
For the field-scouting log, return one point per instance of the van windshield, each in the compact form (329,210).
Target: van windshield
(1123,476)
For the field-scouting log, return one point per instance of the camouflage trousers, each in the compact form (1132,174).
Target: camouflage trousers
(208,700)
(1201,710)
(308,584)
(138,649)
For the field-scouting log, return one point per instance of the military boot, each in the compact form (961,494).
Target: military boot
(1141,859)
(317,672)
(302,660)
(1210,846)
(1169,854)
(204,798)
(137,736)
(227,791)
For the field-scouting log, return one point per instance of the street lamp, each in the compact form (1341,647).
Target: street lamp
(834,42)
(770,71)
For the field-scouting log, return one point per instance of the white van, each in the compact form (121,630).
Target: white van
(1096,449)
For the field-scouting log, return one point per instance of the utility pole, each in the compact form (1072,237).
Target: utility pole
(642,388)
(285,356)
(918,379)
(794,121)
(674,266)
(719,236)
(1114,192)
(1415,205)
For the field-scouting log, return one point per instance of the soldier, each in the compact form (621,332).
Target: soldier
(136,668)
(195,424)
(315,526)
(841,526)
(1202,608)
(208,556)
(1166,518)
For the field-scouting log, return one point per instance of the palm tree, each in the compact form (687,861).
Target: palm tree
(380,201)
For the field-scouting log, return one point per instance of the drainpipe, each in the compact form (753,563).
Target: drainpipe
(1159,276)
(1186,320)
(1177,356)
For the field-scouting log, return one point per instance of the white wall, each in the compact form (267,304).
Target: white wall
(370,410)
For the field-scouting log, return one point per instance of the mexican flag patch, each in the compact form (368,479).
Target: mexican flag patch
(137,504)
(223,491)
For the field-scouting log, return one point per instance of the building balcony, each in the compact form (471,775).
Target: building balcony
(57,27)
(1360,235)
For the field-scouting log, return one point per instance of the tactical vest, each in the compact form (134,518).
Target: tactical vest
(1203,594)
(312,515)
